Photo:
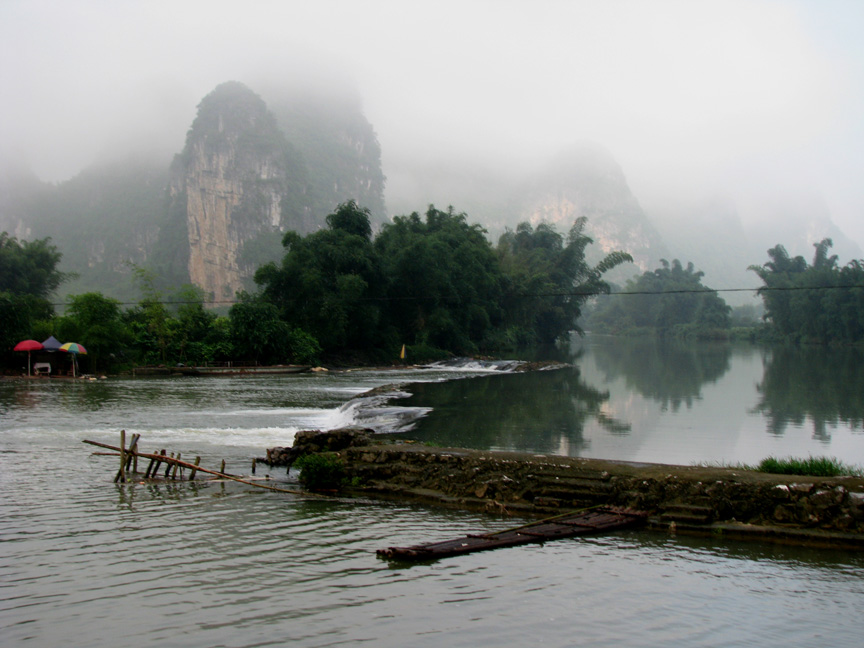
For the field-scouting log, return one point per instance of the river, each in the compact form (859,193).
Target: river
(86,562)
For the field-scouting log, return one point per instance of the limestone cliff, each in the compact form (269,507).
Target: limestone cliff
(586,181)
(236,180)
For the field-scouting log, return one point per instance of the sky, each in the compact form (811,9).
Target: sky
(690,97)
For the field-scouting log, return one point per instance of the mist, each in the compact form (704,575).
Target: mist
(753,99)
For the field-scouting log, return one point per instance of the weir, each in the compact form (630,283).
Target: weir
(731,502)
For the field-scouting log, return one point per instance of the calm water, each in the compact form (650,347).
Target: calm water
(85,562)
(665,402)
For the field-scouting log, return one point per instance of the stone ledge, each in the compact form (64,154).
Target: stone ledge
(729,501)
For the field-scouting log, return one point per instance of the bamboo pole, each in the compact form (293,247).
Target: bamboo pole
(149,468)
(192,473)
(121,474)
(222,475)
(131,455)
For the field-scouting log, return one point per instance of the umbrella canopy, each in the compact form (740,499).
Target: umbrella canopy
(28,346)
(52,344)
(74,348)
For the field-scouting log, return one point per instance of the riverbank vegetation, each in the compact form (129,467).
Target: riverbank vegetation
(432,285)
(423,287)
(819,302)
(670,300)
(812,466)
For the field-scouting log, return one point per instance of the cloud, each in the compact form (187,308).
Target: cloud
(754,94)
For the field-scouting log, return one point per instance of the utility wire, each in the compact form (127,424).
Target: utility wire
(763,289)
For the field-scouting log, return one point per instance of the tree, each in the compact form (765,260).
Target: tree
(194,338)
(820,302)
(548,282)
(96,322)
(329,282)
(443,282)
(150,321)
(670,299)
(28,277)
(29,268)
(259,333)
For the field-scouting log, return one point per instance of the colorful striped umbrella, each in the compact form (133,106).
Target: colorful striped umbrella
(75,349)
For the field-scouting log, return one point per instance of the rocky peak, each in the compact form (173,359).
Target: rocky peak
(236,180)
(587,181)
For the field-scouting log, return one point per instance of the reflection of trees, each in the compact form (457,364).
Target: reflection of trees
(670,372)
(532,411)
(826,385)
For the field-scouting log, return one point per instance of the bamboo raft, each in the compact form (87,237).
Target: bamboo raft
(567,525)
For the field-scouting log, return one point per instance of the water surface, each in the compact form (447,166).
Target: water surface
(86,562)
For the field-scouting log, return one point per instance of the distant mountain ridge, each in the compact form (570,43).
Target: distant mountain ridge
(251,168)
(215,213)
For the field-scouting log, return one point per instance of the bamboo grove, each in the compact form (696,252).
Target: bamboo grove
(433,283)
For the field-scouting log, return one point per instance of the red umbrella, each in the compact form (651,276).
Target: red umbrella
(28,346)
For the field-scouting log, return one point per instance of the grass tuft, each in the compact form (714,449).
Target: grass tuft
(812,466)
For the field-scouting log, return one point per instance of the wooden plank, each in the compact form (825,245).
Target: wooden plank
(567,525)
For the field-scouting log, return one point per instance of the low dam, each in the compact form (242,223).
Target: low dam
(732,502)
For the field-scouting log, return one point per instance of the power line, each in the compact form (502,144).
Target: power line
(686,291)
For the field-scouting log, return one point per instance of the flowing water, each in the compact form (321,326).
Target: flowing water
(86,562)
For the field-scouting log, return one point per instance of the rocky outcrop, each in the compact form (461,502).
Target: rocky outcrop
(586,181)
(682,498)
(233,183)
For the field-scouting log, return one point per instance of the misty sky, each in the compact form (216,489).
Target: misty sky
(690,97)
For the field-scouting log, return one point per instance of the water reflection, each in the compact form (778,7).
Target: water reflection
(823,385)
(670,372)
(537,411)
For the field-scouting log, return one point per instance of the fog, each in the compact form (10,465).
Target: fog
(750,98)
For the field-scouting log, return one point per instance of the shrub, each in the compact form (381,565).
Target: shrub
(321,471)
(814,466)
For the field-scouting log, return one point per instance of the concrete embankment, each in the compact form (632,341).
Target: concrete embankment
(691,499)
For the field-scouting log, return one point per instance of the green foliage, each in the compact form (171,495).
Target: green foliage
(96,322)
(28,277)
(328,282)
(671,300)
(321,471)
(302,347)
(548,282)
(820,303)
(150,321)
(443,283)
(29,267)
(813,466)
(431,282)
(257,331)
